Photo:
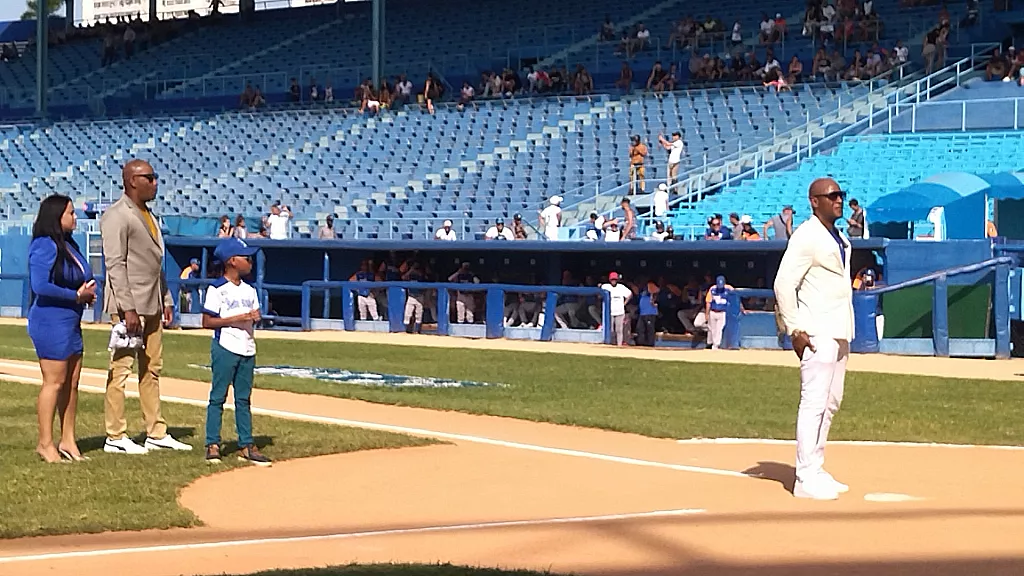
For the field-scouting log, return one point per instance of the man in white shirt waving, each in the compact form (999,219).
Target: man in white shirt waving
(675,148)
(277,222)
(619,295)
(814,295)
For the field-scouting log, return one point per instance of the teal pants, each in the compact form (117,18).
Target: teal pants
(230,369)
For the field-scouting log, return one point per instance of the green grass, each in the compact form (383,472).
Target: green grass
(399,570)
(662,399)
(116,492)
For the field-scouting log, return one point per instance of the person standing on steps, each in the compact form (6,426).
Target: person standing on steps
(136,293)
(814,296)
(62,284)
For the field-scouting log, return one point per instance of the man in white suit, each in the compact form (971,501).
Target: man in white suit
(814,295)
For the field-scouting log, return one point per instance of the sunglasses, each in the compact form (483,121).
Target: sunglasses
(833,196)
(151,177)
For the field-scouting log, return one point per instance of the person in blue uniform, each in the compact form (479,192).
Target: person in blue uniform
(62,284)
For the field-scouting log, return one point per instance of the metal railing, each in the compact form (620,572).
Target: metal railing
(957,115)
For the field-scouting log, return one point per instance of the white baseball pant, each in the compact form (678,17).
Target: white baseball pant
(414,308)
(716,327)
(367,307)
(619,329)
(822,376)
(464,308)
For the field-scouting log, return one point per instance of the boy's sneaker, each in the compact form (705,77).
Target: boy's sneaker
(253,456)
(213,454)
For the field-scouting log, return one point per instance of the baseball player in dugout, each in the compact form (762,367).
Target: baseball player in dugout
(814,296)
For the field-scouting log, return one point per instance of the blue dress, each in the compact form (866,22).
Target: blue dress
(55,319)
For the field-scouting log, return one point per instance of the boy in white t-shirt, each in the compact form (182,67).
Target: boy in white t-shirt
(231,309)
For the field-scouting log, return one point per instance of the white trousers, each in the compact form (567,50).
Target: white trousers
(619,329)
(822,376)
(367,307)
(716,327)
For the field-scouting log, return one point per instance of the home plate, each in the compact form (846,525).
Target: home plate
(890,497)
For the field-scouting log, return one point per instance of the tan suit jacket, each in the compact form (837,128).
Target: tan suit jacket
(134,260)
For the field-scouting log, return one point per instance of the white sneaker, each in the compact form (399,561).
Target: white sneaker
(123,445)
(816,489)
(166,443)
(839,486)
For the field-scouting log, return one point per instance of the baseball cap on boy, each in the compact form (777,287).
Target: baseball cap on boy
(613,275)
(231,247)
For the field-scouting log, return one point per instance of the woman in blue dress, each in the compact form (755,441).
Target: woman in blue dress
(62,284)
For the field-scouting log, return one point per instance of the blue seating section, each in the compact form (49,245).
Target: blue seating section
(472,165)
(869,167)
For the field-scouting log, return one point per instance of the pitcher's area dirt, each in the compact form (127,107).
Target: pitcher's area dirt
(961,510)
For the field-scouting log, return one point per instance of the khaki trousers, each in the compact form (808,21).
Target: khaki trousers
(150,360)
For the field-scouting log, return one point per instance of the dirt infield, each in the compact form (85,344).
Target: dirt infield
(511,493)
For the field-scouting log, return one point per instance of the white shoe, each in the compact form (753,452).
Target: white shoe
(166,443)
(123,445)
(816,489)
(839,486)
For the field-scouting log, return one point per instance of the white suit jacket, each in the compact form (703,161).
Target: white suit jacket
(813,289)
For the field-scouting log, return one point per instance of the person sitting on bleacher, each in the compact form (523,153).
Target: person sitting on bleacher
(245,100)
(996,68)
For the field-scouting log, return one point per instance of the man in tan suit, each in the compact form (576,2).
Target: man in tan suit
(136,292)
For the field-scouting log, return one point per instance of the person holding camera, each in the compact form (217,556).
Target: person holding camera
(62,284)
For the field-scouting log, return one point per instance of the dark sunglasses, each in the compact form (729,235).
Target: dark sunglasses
(833,196)
(151,177)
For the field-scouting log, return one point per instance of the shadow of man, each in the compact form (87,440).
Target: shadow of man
(784,474)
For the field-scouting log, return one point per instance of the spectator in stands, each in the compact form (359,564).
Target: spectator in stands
(1015,64)
(518,228)
(366,301)
(594,228)
(781,225)
(637,160)
(277,221)
(772,70)
(795,72)
(431,91)
(821,67)
(855,223)
(294,92)
(900,53)
(326,231)
(328,93)
(239,230)
(656,79)
(314,90)
(737,35)
(712,30)
(403,92)
(539,81)
(607,30)
(753,69)
(109,49)
(224,230)
(676,148)
(767,30)
(551,218)
(258,101)
(747,231)
(625,81)
(996,68)
(856,69)
(386,94)
(611,232)
(628,220)
(715,230)
(465,303)
(9,52)
(129,42)
(619,294)
(659,234)
(972,14)
(660,200)
(245,100)
(499,231)
(466,94)
(445,232)
(643,37)
(780,27)
(584,83)
(929,50)
(735,228)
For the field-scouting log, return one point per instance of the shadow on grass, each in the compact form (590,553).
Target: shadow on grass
(95,443)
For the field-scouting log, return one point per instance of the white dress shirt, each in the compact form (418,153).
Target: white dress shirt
(813,289)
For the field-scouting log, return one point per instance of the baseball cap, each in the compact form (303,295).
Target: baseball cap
(662,186)
(194,261)
(231,247)
(745,219)
(517,216)
(499,221)
(613,276)
(556,200)
(720,281)
(447,223)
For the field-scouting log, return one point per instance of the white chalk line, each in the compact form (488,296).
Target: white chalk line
(414,431)
(776,442)
(349,535)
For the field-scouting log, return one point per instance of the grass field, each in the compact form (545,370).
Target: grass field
(662,399)
(398,570)
(115,492)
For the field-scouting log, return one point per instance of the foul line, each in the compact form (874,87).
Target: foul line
(417,432)
(347,535)
(776,442)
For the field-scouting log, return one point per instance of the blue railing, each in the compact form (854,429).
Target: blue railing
(865,306)
(494,307)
